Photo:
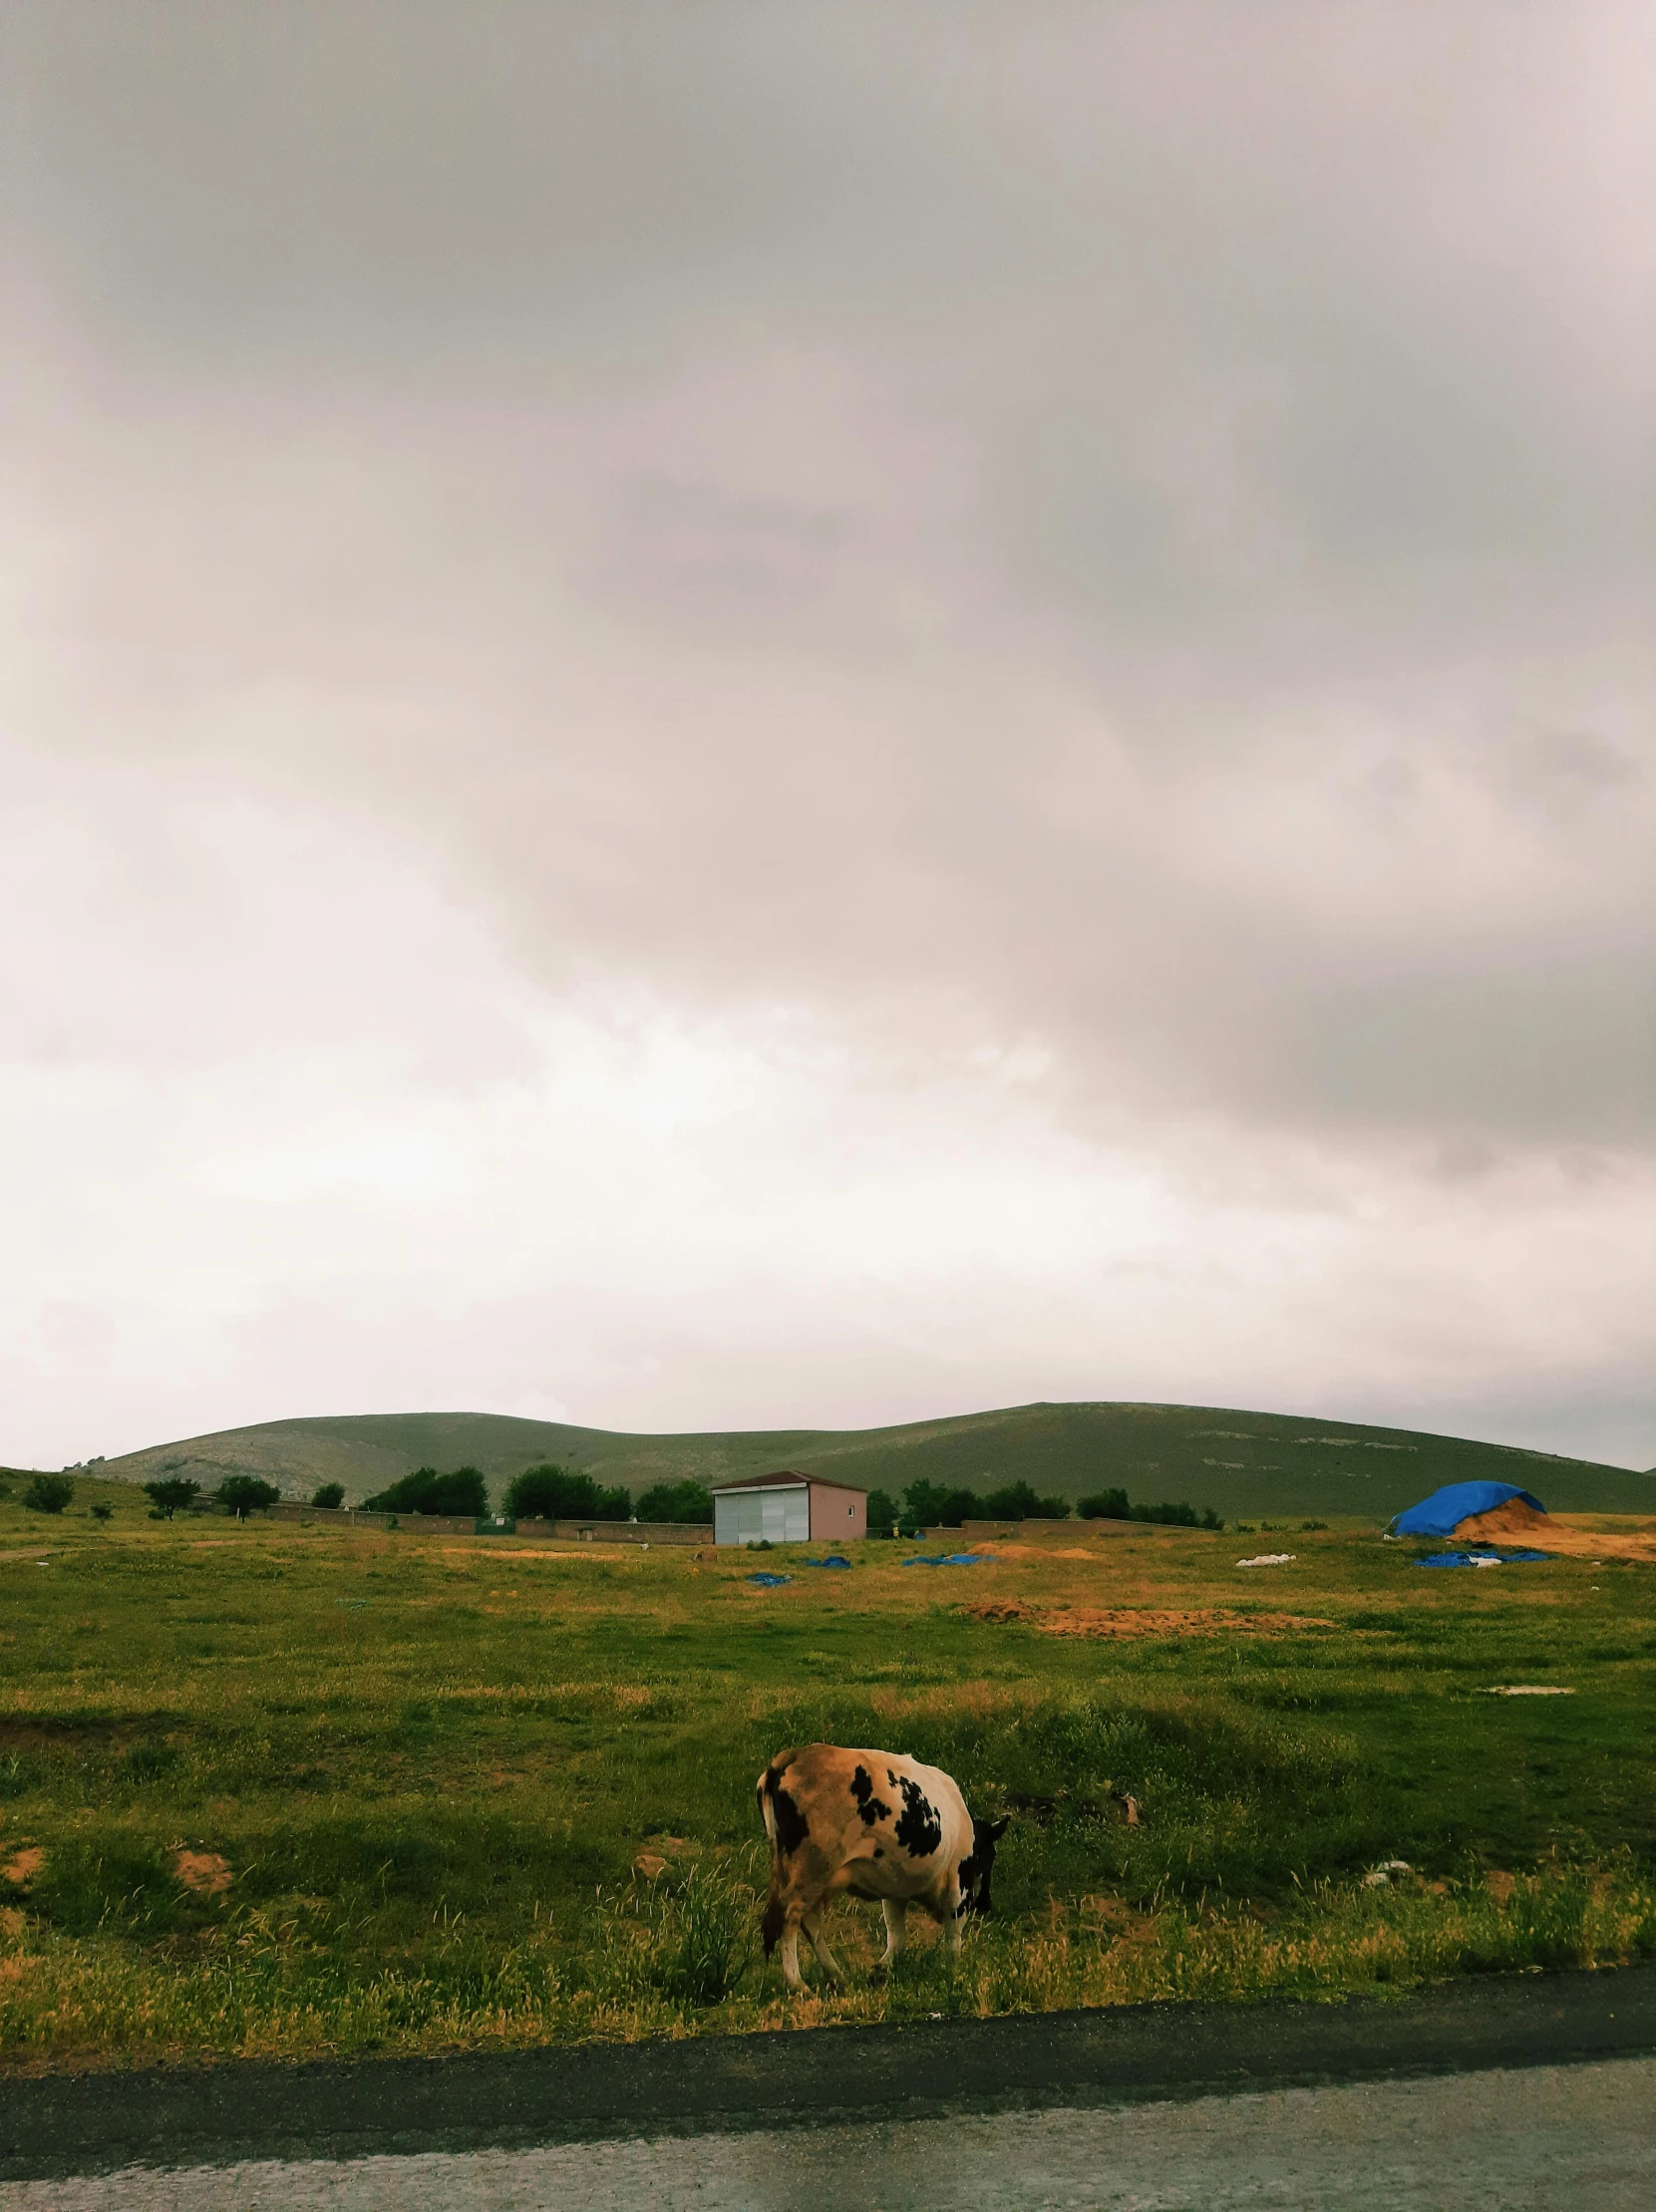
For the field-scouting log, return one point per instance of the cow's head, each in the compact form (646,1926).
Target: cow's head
(976,1870)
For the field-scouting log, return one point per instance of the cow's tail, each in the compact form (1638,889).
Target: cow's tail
(775,1918)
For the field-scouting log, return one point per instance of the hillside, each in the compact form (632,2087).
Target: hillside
(1243,1465)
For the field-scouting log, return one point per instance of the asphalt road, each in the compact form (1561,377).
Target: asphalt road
(1510,2092)
(1535,2141)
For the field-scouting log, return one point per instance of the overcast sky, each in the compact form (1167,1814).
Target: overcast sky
(730,716)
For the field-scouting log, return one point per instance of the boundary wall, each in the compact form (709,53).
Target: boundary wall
(442,1524)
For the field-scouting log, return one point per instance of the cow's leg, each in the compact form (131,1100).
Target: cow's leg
(790,1956)
(952,1922)
(895,1910)
(812,1923)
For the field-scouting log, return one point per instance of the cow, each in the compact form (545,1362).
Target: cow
(877,1824)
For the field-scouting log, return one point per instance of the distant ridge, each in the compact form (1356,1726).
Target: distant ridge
(1244,1465)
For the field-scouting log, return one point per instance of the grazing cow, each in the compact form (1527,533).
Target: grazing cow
(875,1823)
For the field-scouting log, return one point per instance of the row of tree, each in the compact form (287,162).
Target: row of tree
(545,1492)
(554,1493)
(931,1505)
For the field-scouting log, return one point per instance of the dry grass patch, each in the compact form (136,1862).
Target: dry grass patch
(1140,1620)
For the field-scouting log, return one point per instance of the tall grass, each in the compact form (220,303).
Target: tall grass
(465,1802)
(683,1961)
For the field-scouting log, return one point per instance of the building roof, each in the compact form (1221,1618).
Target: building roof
(785,1478)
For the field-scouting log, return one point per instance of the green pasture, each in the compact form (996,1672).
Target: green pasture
(438,1793)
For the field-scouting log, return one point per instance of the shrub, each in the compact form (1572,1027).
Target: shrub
(696,1936)
(117,1882)
(882,1514)
(554,1493)
(102,1512)
(1016,1502)
(329,1495)
(47,1494)
(460,1493)
(1105,1505)
(677,1501)
(246,1494)
(171,1493)
(929,1505)
(1112,1505)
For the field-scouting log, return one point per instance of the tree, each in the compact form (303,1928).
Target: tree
(461,1494)
(882,1514)
(929,1505)
(1018,1502)
(47,1494)
(246,1494)
(554,1493)
(1105,1505)
(685,1501)
(171,1493)
(329,1495)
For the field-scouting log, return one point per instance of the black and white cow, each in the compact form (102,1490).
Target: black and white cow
(877,1824)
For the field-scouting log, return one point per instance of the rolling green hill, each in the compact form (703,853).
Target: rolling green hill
(1243,1465)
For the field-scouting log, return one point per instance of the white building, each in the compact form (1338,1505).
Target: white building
(788,1508)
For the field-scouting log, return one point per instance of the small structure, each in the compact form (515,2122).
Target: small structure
(788,1508)
(1473,1509)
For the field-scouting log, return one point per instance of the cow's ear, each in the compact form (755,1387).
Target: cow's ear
(998,1828)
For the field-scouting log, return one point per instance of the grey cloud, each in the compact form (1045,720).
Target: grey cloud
(842,504)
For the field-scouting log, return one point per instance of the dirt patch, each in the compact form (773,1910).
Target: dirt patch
(205,1872)
(541,1551)
(1014,1550)
(39,1731)
(1142,1621)
(24,1865)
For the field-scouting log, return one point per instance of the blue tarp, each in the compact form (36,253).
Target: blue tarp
(1476,1558)
(1442,1514)
(832,1560)
(952,1559)
(769,1581)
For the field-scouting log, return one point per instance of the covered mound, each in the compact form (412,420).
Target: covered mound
(1465,1508)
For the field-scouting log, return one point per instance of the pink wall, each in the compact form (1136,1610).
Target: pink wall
(836,1515)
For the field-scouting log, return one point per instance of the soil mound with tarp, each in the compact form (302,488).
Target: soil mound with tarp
(1470,1510)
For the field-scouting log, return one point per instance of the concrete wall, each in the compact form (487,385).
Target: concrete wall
(440,1524)
(621,1532)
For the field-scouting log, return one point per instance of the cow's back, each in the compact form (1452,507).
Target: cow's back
(878,1823)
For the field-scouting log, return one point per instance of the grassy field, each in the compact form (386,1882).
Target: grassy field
(1240,1464)
(285,1791)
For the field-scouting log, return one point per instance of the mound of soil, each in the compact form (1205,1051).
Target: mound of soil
(1562,1534)
(1515,1518)
(1140,1621)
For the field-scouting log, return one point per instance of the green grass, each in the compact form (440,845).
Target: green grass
(430,1765)
(1243,1465)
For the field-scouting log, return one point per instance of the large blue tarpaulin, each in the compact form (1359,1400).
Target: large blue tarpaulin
(1442,1514)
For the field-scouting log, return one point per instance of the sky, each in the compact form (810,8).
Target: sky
(729,715)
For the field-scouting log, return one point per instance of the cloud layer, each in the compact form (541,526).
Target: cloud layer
(738,714)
